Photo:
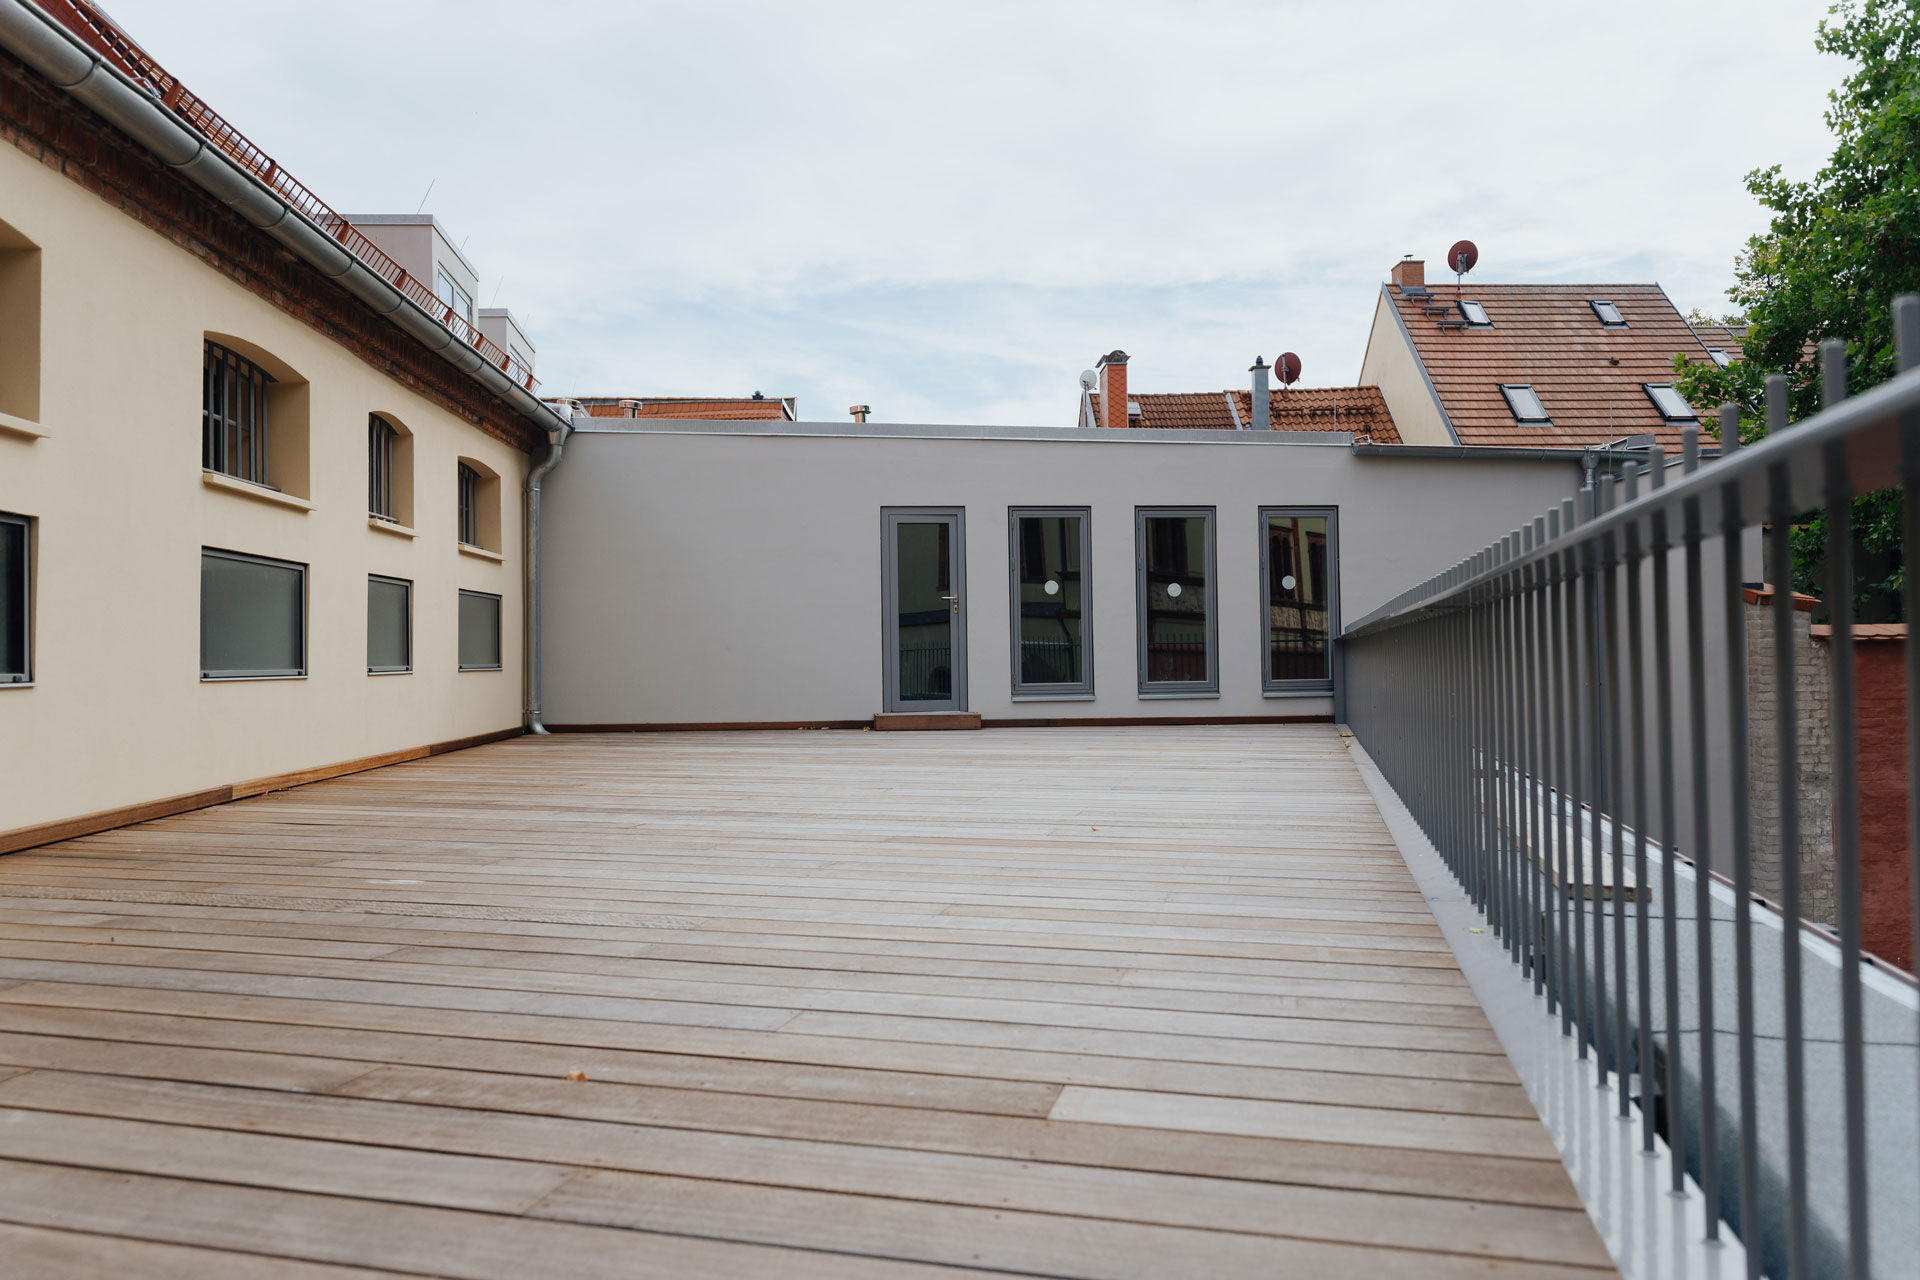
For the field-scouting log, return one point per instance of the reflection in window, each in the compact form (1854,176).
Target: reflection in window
(1176,600)
(1050,603)
(924,600)
(479,631)
(1299,593)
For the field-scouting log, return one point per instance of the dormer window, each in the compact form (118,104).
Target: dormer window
(1719,357)
(1672,406)
(1525,404)
(1475,315)
(1609,315)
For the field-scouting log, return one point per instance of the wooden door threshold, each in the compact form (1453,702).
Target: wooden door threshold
(928,720)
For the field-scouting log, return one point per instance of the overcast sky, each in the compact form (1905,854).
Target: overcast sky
(948,210)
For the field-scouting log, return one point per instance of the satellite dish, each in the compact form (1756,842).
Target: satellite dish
(1461,257)
(1089,380)
(1288,367)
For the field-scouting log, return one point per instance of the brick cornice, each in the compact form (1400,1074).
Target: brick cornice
(67,137)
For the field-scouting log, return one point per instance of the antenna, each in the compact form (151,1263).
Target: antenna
(426,193)
(1288,367)
(1089,380)
(1461,258)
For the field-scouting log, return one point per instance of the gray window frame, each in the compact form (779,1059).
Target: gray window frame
(381,436)
(1466,317)
(469,505)
(1162,689)
(24,676)
(1269,687)
(1597,303)
(889,579)
(1506,390)
(499,633)
(1074,691)
(406,669)
(264,673)
(1650,387)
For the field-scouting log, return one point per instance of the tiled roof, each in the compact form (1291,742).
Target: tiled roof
(713,409)
(1728,338)
(1588,377)
(1361,410)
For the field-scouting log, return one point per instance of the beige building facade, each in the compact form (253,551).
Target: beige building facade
(116,275)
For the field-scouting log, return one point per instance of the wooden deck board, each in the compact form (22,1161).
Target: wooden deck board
(1107,1002)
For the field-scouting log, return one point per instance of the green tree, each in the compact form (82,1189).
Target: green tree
(1837,251)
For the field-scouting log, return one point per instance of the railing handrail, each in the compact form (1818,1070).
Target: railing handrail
(99,33)
(1865,426)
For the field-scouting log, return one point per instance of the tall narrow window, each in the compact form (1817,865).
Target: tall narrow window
(253,616)
(479,631)
(1052,628)
(389,625)
(1175,602)
(469,505)
(380,450)
(1298,595)
(16,600)
(233,417)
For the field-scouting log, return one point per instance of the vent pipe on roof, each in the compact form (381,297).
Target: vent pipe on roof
(1262,402)
(859,411)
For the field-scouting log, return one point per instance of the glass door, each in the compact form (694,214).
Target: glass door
(924,602)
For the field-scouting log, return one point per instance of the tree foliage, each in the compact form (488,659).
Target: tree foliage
(1838,249)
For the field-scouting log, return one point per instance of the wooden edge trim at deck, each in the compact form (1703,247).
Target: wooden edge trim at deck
(927,720)
(1017,722)
(709,726)
(107,819)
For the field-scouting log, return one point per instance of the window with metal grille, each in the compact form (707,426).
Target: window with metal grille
(469,505)
(233,415)
(380,442)
(16,600)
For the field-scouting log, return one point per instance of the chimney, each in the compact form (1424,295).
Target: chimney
(859,411)
(1262,412)
(1410,273)
(1113,389)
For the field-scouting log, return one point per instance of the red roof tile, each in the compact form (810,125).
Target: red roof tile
(1360,410)
(706,408)
(1588,377)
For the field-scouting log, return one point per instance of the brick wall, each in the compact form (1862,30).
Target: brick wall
(1886,903)
(1814,749)
(65,136)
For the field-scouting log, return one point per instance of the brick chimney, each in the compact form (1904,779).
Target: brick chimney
(1410,272)
(1113,389)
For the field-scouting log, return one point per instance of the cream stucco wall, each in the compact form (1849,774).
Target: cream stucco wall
(117,713)
(1391,365)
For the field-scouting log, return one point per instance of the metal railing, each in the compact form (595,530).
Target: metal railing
(1566,714)
(101,35)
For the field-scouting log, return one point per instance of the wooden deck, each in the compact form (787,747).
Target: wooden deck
(1155,1003)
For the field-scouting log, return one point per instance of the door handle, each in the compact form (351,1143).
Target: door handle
(949,597)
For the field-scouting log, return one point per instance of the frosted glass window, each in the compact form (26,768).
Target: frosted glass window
(252,616)
(389,624)
(479,631)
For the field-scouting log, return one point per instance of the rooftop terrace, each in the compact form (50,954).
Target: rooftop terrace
(1095,1002)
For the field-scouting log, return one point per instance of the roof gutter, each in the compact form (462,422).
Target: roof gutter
(50,49)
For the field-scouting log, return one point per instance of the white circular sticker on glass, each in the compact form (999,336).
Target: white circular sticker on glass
(1287,583)
(1052,588)
(1173,591)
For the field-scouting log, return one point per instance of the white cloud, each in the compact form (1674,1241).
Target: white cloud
(948,211)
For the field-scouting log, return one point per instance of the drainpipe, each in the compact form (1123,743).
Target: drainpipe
(556,440)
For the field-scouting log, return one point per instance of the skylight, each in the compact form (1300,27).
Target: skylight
(1671,404)
(1720,357)
(1475,315)
(1525,404)
(1609,314)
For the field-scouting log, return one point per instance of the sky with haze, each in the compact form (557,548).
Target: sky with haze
(947,211)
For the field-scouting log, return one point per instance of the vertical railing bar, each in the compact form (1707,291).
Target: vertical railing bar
(1499,763)
(1709,1107)
(1578,654)
(1731,527)
(1675,1107)
(1906,345)
(1599,796)
(1786,738)
(1846,818)
(1538,773)
(1616,811)
(1558,521)
(1642,941)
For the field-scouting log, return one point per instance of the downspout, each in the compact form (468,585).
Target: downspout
(556,440)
